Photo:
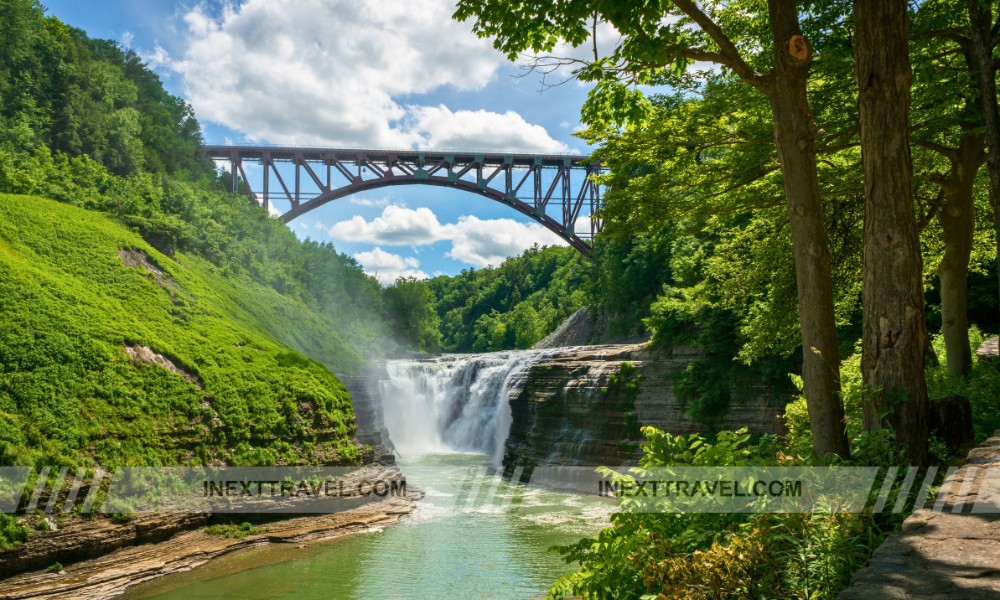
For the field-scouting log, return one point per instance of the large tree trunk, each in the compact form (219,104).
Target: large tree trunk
(794,134)
(895,334)
(957,219)
(981,20)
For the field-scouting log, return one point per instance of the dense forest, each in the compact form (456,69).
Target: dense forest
(253,320)
(714,216)
(798,228)
(149,316)
(85,122)
(818,192)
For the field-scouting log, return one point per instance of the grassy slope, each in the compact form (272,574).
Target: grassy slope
(70,393)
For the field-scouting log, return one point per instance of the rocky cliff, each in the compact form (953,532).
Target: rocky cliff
(371,429)
(584,405)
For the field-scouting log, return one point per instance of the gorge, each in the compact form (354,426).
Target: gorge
(454,423)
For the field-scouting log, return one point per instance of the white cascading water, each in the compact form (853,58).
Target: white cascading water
(452,403)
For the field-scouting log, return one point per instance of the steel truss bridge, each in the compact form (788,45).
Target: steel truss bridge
(554,190)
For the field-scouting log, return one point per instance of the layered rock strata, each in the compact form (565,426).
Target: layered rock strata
(576,406)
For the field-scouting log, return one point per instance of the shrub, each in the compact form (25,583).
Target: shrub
(12,533)
(232,530)
(721,555)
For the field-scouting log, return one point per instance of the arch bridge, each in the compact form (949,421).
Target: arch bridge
(553,190)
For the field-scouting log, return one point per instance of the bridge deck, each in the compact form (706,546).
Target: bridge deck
(289,153)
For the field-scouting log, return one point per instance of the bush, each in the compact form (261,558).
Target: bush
(616,563)
(981,386)
(719,555)
(232,530)
(12,533)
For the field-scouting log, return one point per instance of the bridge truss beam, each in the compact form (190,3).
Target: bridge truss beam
(554,190)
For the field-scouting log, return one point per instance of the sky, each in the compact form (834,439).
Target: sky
(357,73)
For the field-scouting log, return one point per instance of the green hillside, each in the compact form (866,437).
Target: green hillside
(80,292)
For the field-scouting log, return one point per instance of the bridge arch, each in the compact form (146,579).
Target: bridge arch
(553,190)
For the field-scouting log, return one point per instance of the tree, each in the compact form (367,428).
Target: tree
(656,45)
(956,216)
(947,121)
(895,336)
(954,100)
(411,307)
(982,37)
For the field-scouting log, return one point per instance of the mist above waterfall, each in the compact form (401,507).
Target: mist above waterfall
(453,403)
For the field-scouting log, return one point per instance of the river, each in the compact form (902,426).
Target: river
(474,535)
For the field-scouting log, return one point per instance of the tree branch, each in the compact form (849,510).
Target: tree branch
(948,32)
(729,55)
(935,206)
(593,36)
(547,65)
(950,153)
(827,145)
(956,34)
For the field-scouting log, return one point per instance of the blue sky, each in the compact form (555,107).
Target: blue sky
(356,73)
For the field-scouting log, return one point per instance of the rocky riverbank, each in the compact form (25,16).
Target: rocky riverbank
(114,557)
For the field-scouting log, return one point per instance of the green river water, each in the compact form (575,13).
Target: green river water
(472,536)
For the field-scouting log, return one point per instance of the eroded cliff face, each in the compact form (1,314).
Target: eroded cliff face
(371,430)
(577,406)
(580,405)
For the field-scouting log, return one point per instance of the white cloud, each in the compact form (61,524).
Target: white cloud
(375,202)
(396,226)
(159,57)
(487,242)
(469,130)
(333,72)
(388,267)
(475,241)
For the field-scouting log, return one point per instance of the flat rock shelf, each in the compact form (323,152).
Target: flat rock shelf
(123,560)
(943,554)
(989,349)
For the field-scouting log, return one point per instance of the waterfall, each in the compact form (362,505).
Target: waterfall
(452,403)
